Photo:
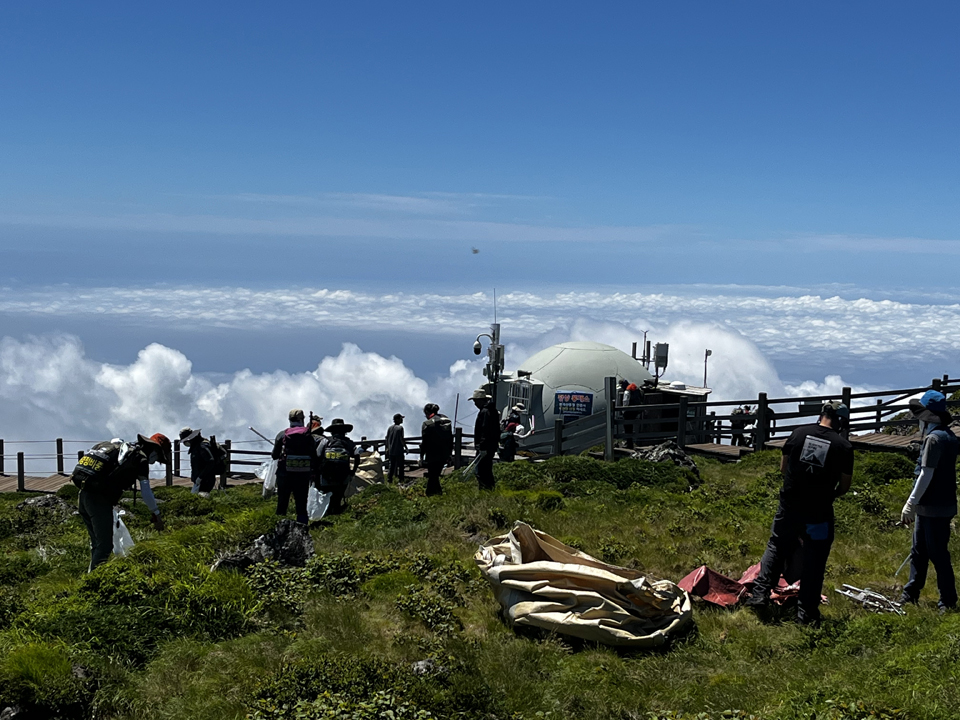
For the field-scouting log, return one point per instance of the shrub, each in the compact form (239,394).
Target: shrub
(41,679)
(881,468)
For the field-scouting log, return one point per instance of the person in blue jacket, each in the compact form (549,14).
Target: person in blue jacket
(933,502)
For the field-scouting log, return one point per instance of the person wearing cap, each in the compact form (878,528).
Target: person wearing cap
(296,452)
(203,471)
(103,473)
(933,501)
(513,432)
(817,467)
(486,437)
(395,448)
(339,458)
(436,445)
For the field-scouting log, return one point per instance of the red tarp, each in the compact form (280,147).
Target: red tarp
(723,591)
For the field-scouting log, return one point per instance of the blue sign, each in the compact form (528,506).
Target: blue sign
(572,404)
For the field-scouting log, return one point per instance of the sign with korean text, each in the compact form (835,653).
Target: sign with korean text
(570,405)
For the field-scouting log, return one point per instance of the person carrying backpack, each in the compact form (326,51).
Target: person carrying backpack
(103,473)
(436,445)
(296,453)
(338,458)
(203,465)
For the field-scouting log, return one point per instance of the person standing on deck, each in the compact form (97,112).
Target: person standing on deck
(395,448)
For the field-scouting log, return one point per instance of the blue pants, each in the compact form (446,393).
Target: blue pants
(930,538)
(790,532)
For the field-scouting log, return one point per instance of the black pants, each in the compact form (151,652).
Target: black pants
(434,469)
(396,467)
(96,511)
(930,538)
(485,470)
(738,438)
(790,530)
(298,486)
(336,497)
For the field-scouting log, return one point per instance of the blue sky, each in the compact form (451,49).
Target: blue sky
(692,151)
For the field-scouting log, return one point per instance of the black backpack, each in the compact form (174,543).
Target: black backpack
(336,458)
(100,470)
(298,450)
(221,465)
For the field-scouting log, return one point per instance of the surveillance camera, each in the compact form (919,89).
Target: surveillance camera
(477,348)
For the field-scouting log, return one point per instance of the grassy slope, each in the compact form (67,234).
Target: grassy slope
(157,635)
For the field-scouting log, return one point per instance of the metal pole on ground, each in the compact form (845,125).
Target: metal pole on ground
(60,456)
(20,483)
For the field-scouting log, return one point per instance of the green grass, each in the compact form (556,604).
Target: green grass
(158,635)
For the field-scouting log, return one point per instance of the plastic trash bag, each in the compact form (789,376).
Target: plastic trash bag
(317,503)
(268,473)
(122,541)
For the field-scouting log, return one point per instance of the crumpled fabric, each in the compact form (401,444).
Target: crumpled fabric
(722,591)
(369,472)
(542,583)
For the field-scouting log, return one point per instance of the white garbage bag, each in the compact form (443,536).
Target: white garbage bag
(122,542)
(317,503)
(268,473)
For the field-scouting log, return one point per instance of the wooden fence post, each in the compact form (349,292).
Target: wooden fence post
(879,415)
(845,398)
(763,423)
(2,472)
(682,421)
(226,471)
(176,458)
(611,387)
(713,434)
(20,483)
(558,436)
(60,456)
(935,384)
(457,448)
(168,475)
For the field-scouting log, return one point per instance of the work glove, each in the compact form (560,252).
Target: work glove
(157,522)
(908,514)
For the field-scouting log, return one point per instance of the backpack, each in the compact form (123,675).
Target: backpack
(96,465)
(336,456)
(221,464)
(298,450)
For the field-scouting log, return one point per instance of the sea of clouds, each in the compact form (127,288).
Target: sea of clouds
(50,388)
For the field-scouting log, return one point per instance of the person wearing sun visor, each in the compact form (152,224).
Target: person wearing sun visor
(103,474)
(817,467)
(933,502)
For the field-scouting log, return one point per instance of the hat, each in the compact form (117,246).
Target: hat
(295,414)
(187,434)
(835,408)
(520,407)
(931,408)
(480,394)
(398,417)
(157,442)
(338,425)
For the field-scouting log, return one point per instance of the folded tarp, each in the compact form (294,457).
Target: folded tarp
(542,583)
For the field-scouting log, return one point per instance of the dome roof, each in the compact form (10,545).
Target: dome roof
(582,365)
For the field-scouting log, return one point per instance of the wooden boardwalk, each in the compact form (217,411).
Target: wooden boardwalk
(52,483)
(729,453)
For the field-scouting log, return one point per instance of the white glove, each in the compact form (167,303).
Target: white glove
(908,514)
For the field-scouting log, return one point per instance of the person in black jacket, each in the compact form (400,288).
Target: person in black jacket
(203,467)
(395,448)
(102,475)
(436,445)
(817,467)
(486,437)
(296,451)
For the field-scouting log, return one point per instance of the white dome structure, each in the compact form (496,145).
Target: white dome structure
(567,380)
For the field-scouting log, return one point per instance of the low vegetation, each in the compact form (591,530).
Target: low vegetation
(391,619)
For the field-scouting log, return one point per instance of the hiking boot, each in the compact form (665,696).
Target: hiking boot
(944,609)
(808,619)
(906,599)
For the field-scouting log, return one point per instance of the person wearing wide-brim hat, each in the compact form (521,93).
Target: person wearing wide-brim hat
(339,459)
(203,466)
(486,437)
(933,501)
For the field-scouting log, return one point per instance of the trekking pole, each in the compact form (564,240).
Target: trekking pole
(252,429)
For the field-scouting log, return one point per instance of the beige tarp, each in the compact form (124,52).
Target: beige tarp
(541,582)
(368,473)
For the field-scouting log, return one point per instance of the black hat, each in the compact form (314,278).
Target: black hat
(397,418)
(338,426)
